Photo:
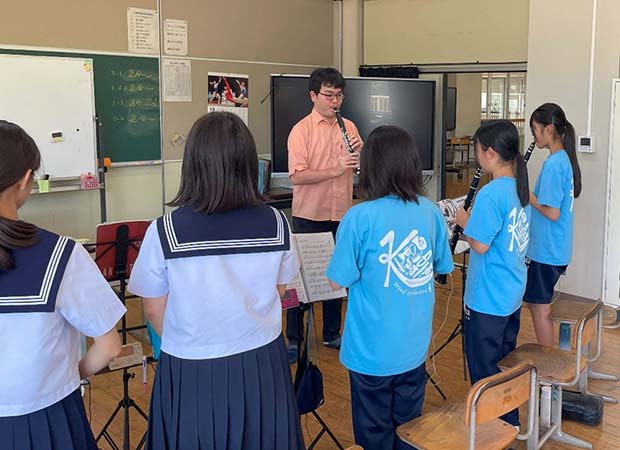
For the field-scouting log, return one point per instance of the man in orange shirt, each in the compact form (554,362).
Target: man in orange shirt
(321,170)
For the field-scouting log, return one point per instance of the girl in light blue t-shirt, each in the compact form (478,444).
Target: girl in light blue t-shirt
(551,241)
(387,250)
(498,231)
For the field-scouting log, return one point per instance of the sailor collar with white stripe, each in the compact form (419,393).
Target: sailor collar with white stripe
(32,286)
(186,233)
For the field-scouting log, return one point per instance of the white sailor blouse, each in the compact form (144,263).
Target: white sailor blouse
(220,273)
(54,292)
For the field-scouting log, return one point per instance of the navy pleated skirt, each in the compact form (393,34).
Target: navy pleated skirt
(61,426)
(238,402)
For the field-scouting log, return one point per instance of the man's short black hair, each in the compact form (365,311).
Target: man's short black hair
(327,76)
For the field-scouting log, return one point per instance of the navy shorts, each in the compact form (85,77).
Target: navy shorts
(541,281)
(488,340)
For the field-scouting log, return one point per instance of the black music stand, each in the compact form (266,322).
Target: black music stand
(459,329)
(123,250)
(429,377)
(303,307)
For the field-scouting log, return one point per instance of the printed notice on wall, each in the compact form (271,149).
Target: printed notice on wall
(142,30)
(229,92)
(177,80)
(175,37)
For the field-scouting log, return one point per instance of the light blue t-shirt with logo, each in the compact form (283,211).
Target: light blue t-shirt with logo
(496,279)
(552,242)
(387,251)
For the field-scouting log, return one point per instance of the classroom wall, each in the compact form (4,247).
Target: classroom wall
(352,36)
(179,116)
(468,87)
(447,31)
(254,38)
(133,193)
(559,71)
(451,79)
(96,26)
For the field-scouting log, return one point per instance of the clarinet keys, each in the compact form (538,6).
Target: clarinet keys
(345,136)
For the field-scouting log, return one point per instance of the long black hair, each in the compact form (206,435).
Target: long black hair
(18,154)
(552,114)
(390,164)
(220,166)
(503,137)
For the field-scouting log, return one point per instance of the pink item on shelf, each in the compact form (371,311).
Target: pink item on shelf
(89,181)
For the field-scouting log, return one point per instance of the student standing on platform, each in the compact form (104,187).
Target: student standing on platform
(551,239)
(387,251)
(50,291)
(321,170)
(211,274)
(498,232)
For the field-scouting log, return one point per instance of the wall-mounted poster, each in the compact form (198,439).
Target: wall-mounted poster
(229,92)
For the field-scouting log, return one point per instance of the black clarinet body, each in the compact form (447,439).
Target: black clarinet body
(343,130)
(473,187)
(345,135)
(529,151)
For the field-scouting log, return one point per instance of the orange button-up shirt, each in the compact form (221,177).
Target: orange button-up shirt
(316,144)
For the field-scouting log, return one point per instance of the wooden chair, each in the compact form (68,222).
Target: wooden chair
(567,310)
(611,317)
(461,146)
(354,447)
(476,424)
(559,368)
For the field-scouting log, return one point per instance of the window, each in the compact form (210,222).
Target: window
(502,96)
(483,98)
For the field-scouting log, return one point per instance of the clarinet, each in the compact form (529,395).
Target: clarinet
(473,187)
(528,152)
(345,135)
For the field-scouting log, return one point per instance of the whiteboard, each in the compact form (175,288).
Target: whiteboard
(50,95)
(611,264)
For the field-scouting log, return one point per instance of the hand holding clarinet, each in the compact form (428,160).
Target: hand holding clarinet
(463,214)
(352,144)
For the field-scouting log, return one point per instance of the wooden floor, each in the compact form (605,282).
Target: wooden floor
(447,370)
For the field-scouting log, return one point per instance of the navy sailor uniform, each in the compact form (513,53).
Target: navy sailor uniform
(223,381)
(54,292)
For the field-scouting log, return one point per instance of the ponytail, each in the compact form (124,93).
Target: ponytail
(552,114)
(568,139)
(523,183)
(14,234)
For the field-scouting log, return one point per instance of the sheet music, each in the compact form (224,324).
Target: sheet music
(449,207)
(315,250)
(298,285)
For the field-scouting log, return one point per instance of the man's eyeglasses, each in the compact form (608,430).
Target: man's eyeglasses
(329,96)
